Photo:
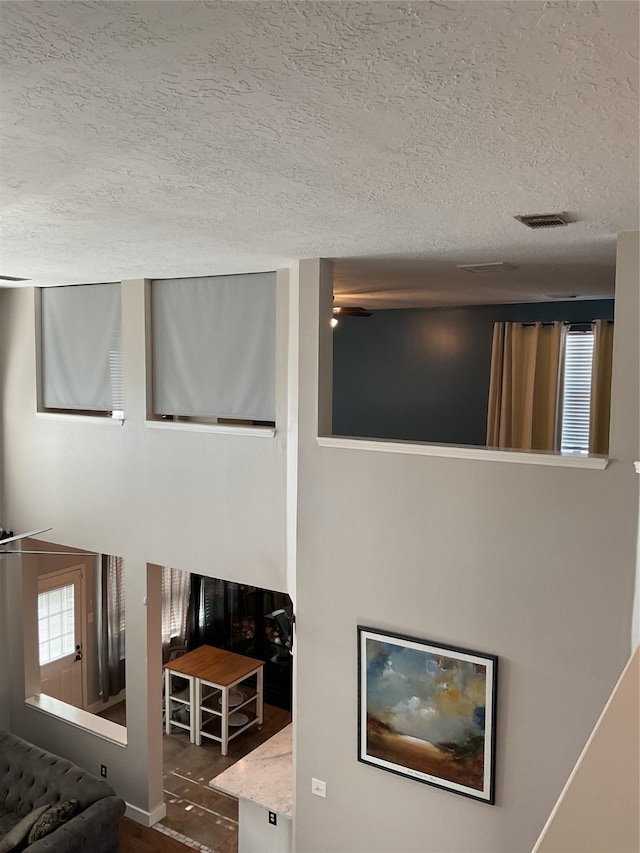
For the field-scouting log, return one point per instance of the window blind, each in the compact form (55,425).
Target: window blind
(576,401)
(214,346)
(82,347)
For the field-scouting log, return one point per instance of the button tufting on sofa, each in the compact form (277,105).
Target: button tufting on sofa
(32,777)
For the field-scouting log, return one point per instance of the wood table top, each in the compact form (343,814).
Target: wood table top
(216,666)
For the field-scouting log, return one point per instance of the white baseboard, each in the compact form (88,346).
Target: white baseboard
(146,818)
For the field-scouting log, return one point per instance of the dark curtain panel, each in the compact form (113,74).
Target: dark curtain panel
(236,617)
(111,626)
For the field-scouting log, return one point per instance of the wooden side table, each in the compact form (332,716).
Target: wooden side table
(226,675)
(218,688)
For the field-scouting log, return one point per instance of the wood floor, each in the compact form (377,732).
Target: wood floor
(135,838)
(194,810)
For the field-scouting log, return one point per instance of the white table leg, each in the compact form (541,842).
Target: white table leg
(225,720)
(167,701)
(260,699)
(194,710)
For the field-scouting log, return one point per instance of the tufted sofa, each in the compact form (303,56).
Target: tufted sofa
(31,777)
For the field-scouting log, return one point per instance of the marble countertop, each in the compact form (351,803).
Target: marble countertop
(264,776)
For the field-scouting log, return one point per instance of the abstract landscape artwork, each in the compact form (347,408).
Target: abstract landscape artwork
(427,711)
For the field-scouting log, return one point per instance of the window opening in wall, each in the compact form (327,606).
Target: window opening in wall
(214,349)
(205,619)
(81,370)
(475,376)
(76,624)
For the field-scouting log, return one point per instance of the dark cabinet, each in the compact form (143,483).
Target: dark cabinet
(237,617)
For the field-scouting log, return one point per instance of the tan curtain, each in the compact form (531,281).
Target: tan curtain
(600,411)
(524,386)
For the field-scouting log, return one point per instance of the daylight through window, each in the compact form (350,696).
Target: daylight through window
(576,399)
(56,623)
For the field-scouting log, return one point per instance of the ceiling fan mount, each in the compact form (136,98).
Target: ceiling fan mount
(7,536)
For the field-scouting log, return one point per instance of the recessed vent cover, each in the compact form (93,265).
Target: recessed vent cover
(494,266)
(12,278)
(544,220)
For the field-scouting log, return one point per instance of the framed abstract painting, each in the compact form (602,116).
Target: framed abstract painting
(428,711)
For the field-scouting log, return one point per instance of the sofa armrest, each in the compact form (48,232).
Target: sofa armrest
(94,830)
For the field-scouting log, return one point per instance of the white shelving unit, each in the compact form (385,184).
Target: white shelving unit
(220,684)
(177,700)
(217,704)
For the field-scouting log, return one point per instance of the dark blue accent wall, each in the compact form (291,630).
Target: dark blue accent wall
(422,374)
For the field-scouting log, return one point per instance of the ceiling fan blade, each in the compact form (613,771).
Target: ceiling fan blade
(351,311)
(52,553)
(24,535)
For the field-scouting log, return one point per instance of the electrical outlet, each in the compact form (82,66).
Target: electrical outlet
(103,771)
(319,788)
(273,818)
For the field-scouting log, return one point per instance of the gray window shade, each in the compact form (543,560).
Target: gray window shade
(82,347)
(214,346)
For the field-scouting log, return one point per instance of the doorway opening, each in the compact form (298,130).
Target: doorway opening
(61,615)
(200,611)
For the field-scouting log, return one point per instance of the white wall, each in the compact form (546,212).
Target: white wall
(200,501)
(532,563)
(600,807)
(172,496)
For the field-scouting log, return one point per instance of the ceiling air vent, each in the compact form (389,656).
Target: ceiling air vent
(544,220)
(12,278)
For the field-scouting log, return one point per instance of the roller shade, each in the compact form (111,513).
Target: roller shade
(214,346)
(82,347)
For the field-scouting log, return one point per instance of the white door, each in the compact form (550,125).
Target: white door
(60,614)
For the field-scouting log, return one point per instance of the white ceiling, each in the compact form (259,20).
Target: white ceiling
(164,139)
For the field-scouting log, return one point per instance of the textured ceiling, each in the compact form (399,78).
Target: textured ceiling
(165,139)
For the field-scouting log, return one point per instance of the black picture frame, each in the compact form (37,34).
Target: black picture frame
(427,711)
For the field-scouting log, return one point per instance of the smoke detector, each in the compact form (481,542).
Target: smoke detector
(544,220)
(494,266)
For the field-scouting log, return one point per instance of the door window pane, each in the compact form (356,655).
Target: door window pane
(56,623)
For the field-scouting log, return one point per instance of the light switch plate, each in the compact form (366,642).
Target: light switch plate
(319,788)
